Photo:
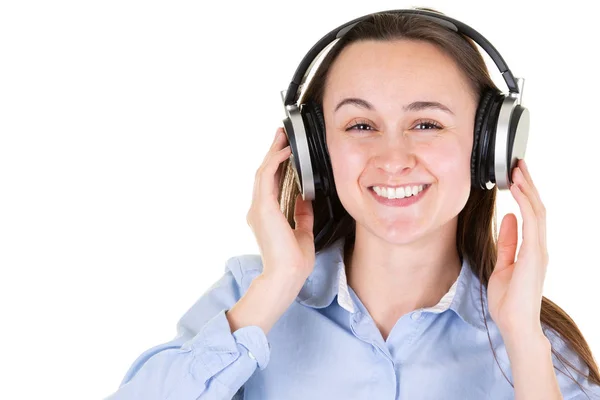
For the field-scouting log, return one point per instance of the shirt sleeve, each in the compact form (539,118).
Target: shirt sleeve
(205,360)
(573,385)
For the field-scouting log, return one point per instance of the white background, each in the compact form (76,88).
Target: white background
(130,135)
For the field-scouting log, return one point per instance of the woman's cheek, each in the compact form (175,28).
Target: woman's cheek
(347,161)
(450,162)
(349,164)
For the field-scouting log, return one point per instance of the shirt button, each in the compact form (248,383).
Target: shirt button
(251,355)
(416,315)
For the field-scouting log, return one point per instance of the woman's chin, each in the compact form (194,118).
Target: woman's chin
(399,230)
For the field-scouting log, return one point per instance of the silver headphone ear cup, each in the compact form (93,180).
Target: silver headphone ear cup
(512,131)
(300,157)
(518,136)
(289,132)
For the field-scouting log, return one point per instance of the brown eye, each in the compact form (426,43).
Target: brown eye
(360,125)
(429,124)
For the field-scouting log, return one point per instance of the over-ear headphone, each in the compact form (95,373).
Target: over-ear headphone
(500,131)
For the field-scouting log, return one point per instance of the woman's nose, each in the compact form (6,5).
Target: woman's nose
(395,154)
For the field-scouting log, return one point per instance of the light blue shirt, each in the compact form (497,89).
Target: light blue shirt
(327,346)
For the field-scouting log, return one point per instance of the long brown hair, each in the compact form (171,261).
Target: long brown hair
(476,232)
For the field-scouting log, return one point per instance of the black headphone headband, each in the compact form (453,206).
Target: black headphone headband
(292,93)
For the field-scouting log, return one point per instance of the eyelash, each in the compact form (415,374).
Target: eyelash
(427,122)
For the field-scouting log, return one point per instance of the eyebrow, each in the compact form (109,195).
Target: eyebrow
(414,106)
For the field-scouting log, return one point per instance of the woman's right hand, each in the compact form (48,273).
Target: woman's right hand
(287,253)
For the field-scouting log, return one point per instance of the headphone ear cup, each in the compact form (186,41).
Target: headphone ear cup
(487,142)
(516,146)
(481,140)
(312,114)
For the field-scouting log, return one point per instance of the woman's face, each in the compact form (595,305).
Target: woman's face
(394,144)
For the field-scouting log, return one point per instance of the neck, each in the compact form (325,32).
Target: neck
(393,279)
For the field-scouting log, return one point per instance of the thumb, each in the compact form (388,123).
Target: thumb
(507,242)
(303,215)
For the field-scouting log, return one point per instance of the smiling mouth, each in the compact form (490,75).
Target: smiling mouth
(399,194)
(400,202)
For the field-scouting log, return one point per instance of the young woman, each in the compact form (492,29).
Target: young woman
(409,295)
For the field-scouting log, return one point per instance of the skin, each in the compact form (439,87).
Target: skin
(404,258)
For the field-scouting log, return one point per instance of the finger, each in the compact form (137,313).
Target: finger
(541,207)
(265,180)
(507,242)
(276,145)
(523,166)
(530,222)
(531,251)
(536,204)
(303,215)
(280,140)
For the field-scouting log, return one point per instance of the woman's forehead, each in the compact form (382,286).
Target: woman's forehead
(395,68)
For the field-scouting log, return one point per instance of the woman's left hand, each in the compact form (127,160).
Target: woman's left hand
(515,287)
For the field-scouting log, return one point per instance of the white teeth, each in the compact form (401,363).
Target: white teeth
(397,193)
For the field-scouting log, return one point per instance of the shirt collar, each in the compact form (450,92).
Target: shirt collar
(328,279)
